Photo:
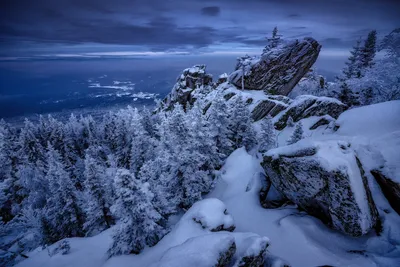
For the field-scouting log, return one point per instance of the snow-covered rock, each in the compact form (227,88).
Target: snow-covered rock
(306,106)
(222,79)
(327,180)
(212,215)
(191,79)
(251,250)
(272,105)
(212,250)
(279,70)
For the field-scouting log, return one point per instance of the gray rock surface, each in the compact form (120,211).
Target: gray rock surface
(272,105)
(279,70)
(192,79)
(326,180)
(390,189)
(306,106)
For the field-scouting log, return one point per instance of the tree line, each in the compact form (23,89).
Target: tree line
(80,177)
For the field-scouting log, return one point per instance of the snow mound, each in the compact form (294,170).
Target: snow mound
(370,121)
(202,251)
(211,214)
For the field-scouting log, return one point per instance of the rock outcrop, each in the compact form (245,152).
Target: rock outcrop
(306,106)
(251,251)
(272,105)
(191,79)
(279,70)
(390,189)
(326,180)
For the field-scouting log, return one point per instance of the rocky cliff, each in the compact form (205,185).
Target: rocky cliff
(278,70)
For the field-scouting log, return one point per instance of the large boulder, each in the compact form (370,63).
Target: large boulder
(191,79)
(306,106)
(278,70)
(327,180)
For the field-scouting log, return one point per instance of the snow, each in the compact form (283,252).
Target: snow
(292,234)
(202,251)
(85,252)
(375,128)
(302,240)
(370,121)
(210,213)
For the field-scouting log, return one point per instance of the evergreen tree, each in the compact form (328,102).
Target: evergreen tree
(267,135)
(141,224)
(98,215)
(297,134)
(353,65)
(241,125)
(142,147)
(368,51)
(162,174)
(63,215)
(9,184)
(347,96)
(219,122)
(198,159)
(273,41)
(391,43)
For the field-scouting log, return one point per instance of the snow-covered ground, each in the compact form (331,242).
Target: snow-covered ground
(298,238)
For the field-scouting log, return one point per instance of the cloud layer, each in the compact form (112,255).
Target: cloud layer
(28,27)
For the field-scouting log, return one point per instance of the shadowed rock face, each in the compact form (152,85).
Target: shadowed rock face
(270,106)
(191,79)
(329,185)
(279,70)
(306,106)
(390,189)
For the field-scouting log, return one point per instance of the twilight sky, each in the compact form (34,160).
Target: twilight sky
(133,27)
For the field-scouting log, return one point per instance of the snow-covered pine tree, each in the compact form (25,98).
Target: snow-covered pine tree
(368,51)
(140,225)
(219,121)
(353,64)
(241,126)
(161,173)
(199,159)
(347,96)
(9,183)
(63,216)
(74,151)
(297,134)
(391,43)
(98,214)
(267,138)
(273,41)
(142,147)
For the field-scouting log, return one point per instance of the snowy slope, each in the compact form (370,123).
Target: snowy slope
(300,239)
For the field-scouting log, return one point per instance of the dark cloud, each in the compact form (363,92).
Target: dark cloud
(178,24)
(211,11)
(294,15)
